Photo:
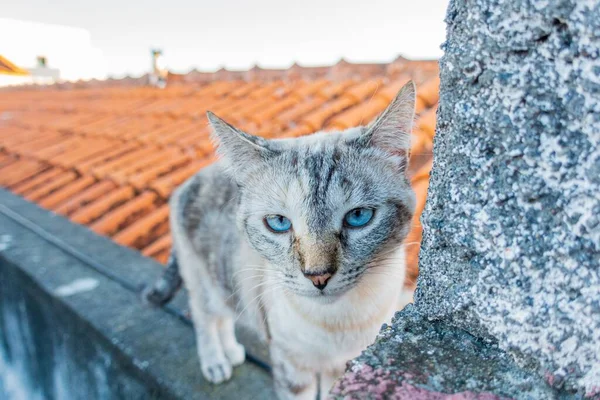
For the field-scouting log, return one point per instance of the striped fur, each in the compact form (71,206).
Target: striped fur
(236,269)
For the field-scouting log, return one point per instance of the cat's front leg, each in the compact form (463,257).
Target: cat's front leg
(291,381)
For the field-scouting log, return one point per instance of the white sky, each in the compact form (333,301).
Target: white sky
(240,33)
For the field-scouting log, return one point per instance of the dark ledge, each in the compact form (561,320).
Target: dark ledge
(101,337)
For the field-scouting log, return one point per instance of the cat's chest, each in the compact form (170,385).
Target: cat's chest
(329,339)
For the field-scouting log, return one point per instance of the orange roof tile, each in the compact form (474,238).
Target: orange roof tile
(364,90)
(51,186)
(103,204)
(25,186)
(85,197)
(159,246)
(121,149)
(20,171)
(316,119)
(67,191)
(426,122)
(111,222)
(360,114)
(429,91)
(110,156)
(390,90)
(165,185)
(139,233)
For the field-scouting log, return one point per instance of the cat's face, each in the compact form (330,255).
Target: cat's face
(325,209)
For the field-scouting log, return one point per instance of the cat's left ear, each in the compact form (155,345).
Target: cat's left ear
(239,150)
(391,131)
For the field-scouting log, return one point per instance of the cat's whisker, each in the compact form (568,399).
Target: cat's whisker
(372,298)
(262,283)
(257,276)
(253,267)
(268,290)
(247,270)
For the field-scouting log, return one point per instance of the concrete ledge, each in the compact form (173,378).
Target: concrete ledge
(88,330)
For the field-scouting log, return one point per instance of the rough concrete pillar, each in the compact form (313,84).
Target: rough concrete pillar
(509,269)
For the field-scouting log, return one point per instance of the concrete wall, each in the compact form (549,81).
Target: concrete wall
(72,325)
(48,352)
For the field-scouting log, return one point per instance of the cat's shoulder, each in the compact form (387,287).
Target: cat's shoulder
(209,186)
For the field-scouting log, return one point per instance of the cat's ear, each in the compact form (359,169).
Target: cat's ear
(238,149)
(391,131)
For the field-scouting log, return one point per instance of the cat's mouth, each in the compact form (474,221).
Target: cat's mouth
(328,295)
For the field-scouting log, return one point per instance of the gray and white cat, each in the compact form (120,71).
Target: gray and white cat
(303,235)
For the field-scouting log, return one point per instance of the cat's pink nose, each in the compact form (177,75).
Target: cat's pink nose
(320,280)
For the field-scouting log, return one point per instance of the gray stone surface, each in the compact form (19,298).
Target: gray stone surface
(512,237)
(511,249)
(417,359)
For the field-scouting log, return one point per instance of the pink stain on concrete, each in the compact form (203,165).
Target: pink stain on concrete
(364,382)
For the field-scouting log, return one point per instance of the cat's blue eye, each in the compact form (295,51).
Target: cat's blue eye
(278,223)
(358,217)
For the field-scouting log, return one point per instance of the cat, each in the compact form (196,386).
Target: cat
(305,236)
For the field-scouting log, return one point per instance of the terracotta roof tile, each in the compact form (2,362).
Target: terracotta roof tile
(420,183)
(142,231)
(429,91)
(267,91)
(142,178)
(104,169)
(84,198)
(300,130)
(69,190)
(83,151)
(51,186)
(20,171)
(159,246)
(110,157)
(421,151)
(388,92)
(35,181)
(334,89)
(311,88)
(243,89)
(316,119)
(426,122)
(360,114)
(102,205)
(364,90)
(162,256)
(30,146)
(165,185)
(59,146)
(6,159)
(299,110)
(125,214)
(124,171)
(273,109)
(200,142)
(13,136)
(105,156)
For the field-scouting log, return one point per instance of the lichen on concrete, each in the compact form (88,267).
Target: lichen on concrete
(420,359)
(511,247)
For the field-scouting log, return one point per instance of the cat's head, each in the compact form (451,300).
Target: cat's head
(328,208)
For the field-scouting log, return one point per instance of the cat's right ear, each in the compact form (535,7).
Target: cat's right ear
(238,149)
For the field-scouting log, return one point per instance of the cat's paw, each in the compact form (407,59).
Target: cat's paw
(216,370)
(236,354)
